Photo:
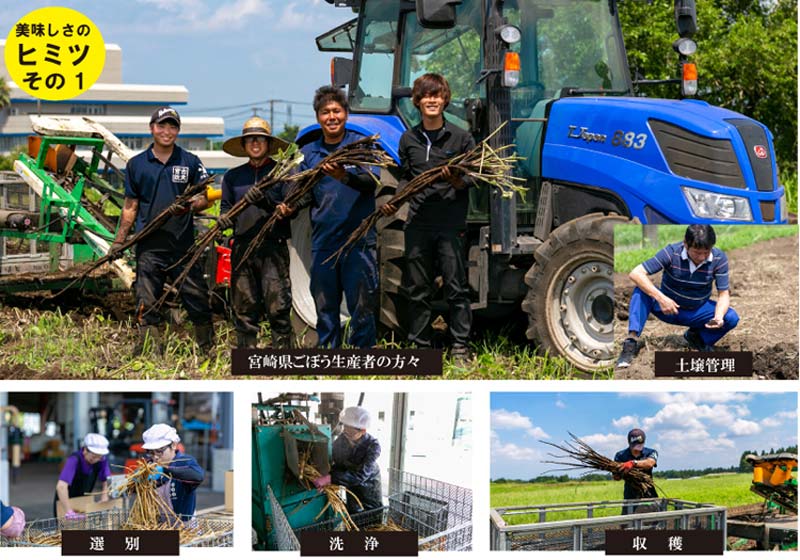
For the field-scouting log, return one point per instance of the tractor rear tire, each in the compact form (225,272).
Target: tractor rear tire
(570,303)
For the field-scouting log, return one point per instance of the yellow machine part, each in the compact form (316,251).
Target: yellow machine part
(213,194)
(773,473)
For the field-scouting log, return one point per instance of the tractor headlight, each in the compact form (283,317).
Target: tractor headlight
(715,206)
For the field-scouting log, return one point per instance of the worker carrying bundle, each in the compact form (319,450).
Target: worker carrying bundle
(355,461)
(178,475)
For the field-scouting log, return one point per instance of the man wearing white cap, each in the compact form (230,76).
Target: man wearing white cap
(81,471)
(180,471)
(355,461)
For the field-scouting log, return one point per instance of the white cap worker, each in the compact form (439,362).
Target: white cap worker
(81,471)
(161,443)
(355,461)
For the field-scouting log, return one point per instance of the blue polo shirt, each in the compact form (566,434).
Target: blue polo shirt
(186,475)
(235,184)
(337,210)
(156,185)
(689,289)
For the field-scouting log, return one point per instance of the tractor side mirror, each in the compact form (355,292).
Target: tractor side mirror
(437,14)
(341,71)
(686,18)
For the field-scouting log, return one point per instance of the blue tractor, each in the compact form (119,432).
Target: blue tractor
(595,154)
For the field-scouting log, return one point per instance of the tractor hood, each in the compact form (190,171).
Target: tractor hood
(389,127)
(648,150)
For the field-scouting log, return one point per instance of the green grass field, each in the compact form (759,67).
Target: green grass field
(628,250)
(64,345)
(724,490)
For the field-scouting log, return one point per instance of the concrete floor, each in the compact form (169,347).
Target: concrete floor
(36,485)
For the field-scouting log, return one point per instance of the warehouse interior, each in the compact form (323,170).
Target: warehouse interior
(39,430)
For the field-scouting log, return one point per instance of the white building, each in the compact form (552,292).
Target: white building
(124,109)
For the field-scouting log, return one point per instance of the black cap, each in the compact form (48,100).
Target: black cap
(165,114)
(636,438)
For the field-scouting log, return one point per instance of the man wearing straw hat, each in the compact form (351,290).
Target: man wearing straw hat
(636,456)
(179,475)
(261,286)
(81,471)
(153,181)
(355,461)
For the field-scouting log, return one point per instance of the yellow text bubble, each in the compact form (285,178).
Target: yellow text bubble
(55,53)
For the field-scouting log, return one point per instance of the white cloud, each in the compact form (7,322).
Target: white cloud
(292,18)
(625,422)
(666,398)
(236,14)
(745,428)
(502,418)
(606,444)
(513,452)
(560,404)
(538,433)
(198,14)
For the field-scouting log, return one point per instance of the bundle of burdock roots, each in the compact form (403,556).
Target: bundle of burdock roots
(493,167)
(581,456)
(150,512)
(309,473)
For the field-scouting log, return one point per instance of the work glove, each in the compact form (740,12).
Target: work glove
(322,481)
(115,251)
(17,525)
(626,466)
(253,196)
(74,516)
(178,208)
(158,475)
(224,222)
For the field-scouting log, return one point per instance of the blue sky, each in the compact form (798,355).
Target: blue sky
(227,53)
(689,430)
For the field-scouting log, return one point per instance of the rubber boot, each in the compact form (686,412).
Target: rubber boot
(246,340)
(282,340)
(204,337)
(149,339)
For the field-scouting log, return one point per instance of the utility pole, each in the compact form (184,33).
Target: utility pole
(272,112)
(288,114)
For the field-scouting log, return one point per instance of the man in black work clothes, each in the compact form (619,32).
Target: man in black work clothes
(153,181)
(437,217)
(636,456)
(261,286)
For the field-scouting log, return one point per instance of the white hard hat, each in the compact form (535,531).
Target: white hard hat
(96,444)
(356,417)
(159,435)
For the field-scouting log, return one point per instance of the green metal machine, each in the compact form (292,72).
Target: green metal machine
(74,197)
(282,435)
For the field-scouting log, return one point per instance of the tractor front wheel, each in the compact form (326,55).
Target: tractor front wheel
(570,300)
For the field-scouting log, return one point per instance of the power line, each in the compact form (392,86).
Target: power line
(249,104)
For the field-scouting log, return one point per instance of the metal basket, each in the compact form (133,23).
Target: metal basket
(440,513)
(214,532)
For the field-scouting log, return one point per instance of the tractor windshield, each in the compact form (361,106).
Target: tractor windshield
(565,44)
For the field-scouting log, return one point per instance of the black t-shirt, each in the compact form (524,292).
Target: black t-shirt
(440,205)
